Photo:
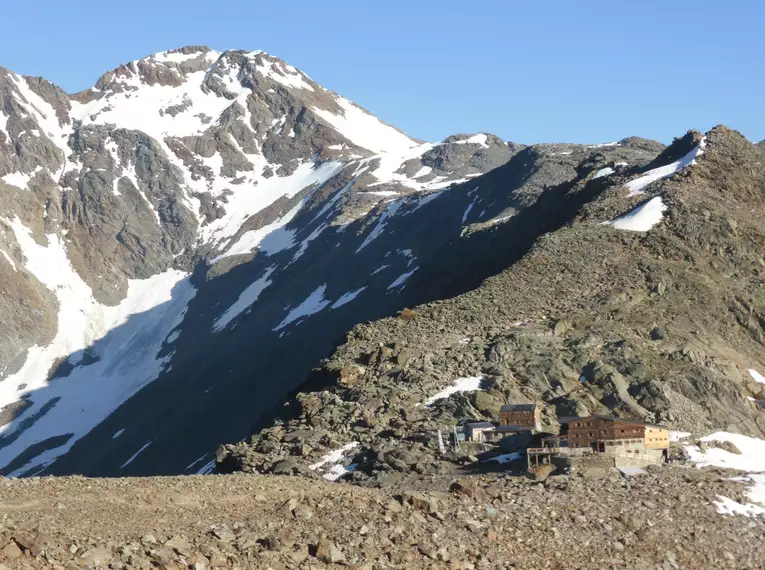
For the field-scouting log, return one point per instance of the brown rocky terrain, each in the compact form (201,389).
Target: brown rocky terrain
(663,520)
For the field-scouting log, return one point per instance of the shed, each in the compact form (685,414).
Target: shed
(480,431)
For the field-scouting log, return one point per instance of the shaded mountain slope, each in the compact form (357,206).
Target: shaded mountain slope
(251,335)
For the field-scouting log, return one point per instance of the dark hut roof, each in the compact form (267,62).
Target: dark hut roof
(569,419)
(479,425)
(518,408)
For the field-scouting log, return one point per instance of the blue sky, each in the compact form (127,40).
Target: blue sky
(531,71)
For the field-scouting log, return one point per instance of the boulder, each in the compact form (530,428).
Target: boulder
(328,552)
(469,488)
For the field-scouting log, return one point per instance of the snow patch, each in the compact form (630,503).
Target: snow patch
(329,464)
(118,433)
(642,218)
(676,436)
(207,468)
(44,114)
(346,298)
(173,336)
(389,211)
(425,200)
(407,253)
(402,279)
(479,139)
(314,303)
(756,376)
(136,454)
(279,238)
(195,462)
(177,57)
(506,458)
(468,210)
(307,241)
(8,259)
(365,130)
(284,74)
(247,200)
(390,164)
(246,299)
(20,179)
(424,171)
(142,107)
(469,384)
(751,459)
(603,145)
(641,183)
(4,126)
(603,172)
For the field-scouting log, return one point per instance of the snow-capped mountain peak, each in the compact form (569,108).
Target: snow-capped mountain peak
(190,162)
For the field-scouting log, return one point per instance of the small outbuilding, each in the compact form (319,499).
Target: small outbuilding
(480,431)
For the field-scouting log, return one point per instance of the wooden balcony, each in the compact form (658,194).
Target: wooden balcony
(548,451)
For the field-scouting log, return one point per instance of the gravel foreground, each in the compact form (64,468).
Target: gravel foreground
(665,519)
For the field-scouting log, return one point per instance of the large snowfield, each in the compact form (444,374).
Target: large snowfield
(121,342)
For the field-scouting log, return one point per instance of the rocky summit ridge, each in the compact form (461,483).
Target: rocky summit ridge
(185,245)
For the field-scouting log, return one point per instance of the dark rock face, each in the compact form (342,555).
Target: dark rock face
(462,155)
